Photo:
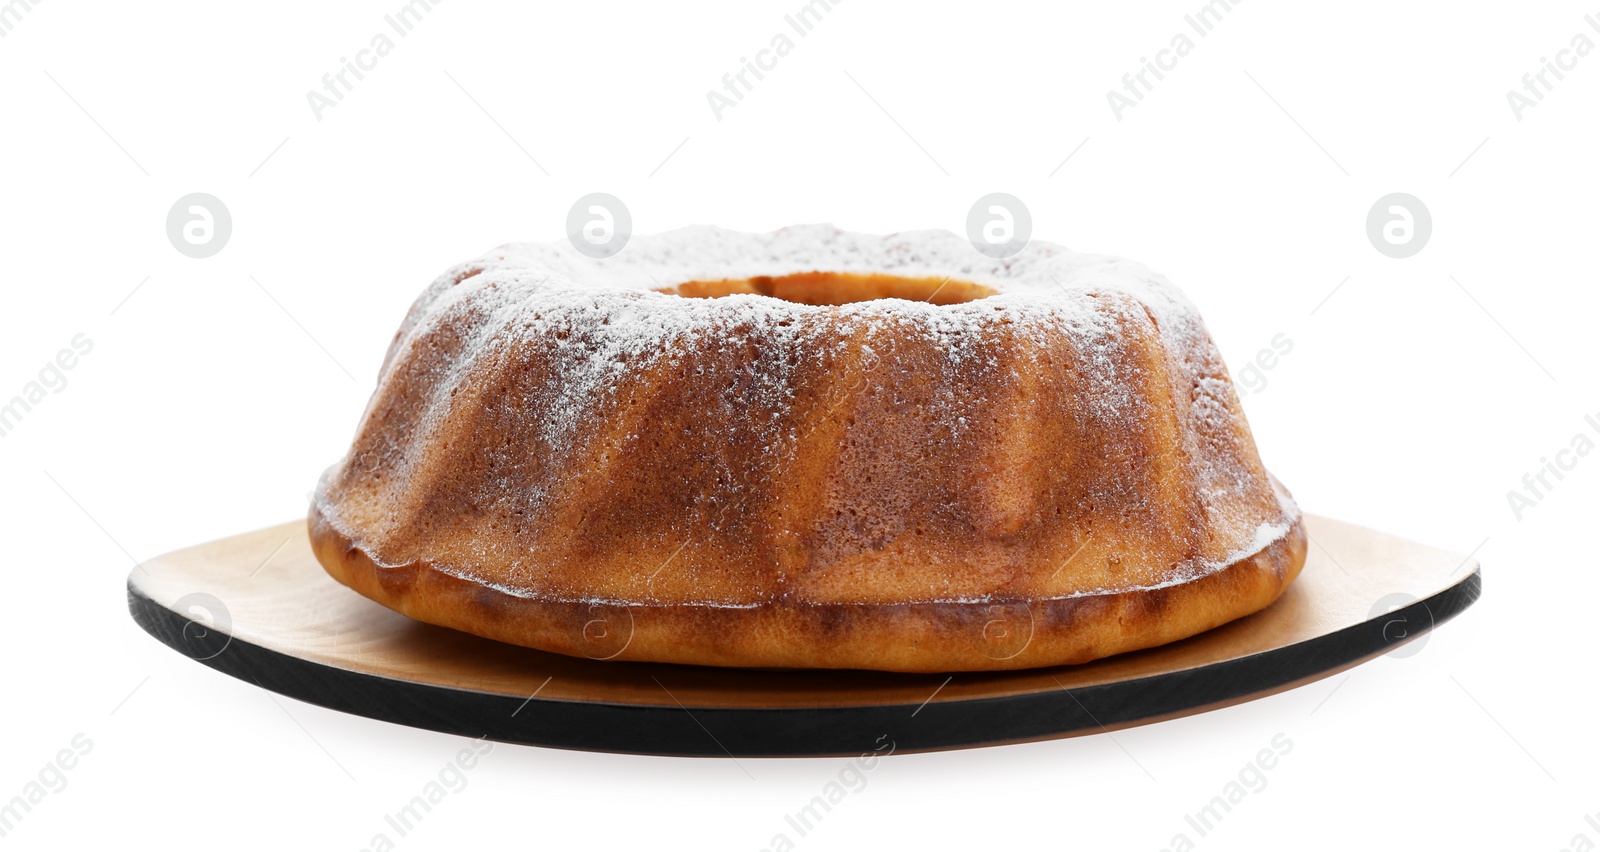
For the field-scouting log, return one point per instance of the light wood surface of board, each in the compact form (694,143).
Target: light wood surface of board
(264,591)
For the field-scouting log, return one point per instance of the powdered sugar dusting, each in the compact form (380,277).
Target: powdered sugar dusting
(596,324)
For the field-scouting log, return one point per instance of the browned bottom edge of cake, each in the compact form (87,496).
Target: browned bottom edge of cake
(989,635)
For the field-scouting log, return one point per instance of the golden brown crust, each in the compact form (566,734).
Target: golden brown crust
(915,637)
(790,479)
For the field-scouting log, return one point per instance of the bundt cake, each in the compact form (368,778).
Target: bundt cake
(808,448)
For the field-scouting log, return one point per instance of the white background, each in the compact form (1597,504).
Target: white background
(1415,397)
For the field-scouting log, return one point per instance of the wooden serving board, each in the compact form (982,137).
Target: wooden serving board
(259,607)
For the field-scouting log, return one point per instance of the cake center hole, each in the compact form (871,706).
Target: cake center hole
(837,288)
